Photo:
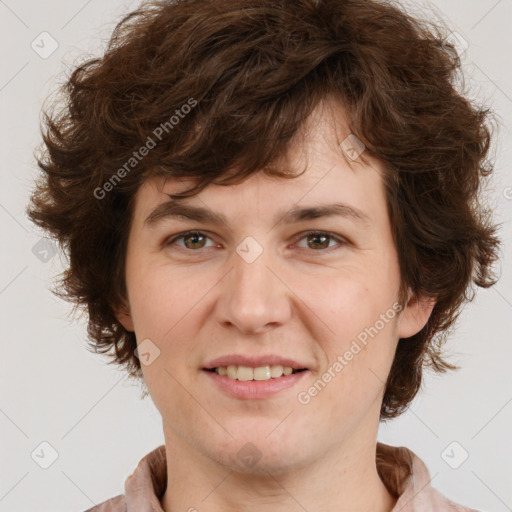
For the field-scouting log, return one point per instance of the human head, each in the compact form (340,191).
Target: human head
(227,85)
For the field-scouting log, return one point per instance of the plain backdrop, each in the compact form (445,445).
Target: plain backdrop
(52,390)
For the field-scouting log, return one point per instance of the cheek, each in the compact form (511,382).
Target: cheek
(359,309)
(164,307)
(350,301)
(358,356)
(161,298)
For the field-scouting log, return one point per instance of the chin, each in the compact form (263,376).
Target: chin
(260,453)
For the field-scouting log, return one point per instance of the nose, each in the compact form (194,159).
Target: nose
(253,296)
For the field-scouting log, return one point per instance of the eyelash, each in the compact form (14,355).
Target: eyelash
(341,241)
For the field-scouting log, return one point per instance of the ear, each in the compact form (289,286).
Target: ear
(123,316)
(415,315)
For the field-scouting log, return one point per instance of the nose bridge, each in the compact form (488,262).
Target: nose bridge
(251,278)
(253,297)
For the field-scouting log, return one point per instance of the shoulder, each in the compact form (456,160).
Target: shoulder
(116,504)
(407,478)
(441,502)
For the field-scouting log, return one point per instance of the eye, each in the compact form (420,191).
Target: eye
(192,239)
(320,240)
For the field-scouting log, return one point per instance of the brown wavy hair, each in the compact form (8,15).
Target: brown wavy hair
(255,70)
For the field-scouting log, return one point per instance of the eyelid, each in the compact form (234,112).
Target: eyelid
(342,241)
(173,238)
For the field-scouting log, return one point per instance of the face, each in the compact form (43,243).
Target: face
(263,288)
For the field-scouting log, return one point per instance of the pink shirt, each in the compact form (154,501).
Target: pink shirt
(403,473)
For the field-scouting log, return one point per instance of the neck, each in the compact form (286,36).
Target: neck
(345,480)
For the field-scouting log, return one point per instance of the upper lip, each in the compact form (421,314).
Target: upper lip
(254,361)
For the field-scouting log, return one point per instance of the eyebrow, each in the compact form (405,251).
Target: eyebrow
(177,209)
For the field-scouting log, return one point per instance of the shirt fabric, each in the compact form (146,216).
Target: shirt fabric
(404,474)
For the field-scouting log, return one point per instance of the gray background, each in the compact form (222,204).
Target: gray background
(52,390)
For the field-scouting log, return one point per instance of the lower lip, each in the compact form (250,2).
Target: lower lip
(255,389)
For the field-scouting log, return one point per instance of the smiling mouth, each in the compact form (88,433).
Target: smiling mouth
(260,373)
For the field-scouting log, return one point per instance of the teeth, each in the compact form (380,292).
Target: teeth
(261,373)
(232,372)
(245,373)
(276,371)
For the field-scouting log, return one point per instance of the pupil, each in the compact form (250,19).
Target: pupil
(325,237)
(193,236)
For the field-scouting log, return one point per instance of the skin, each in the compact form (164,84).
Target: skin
(304,298)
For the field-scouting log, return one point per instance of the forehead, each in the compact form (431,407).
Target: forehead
(330,176)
